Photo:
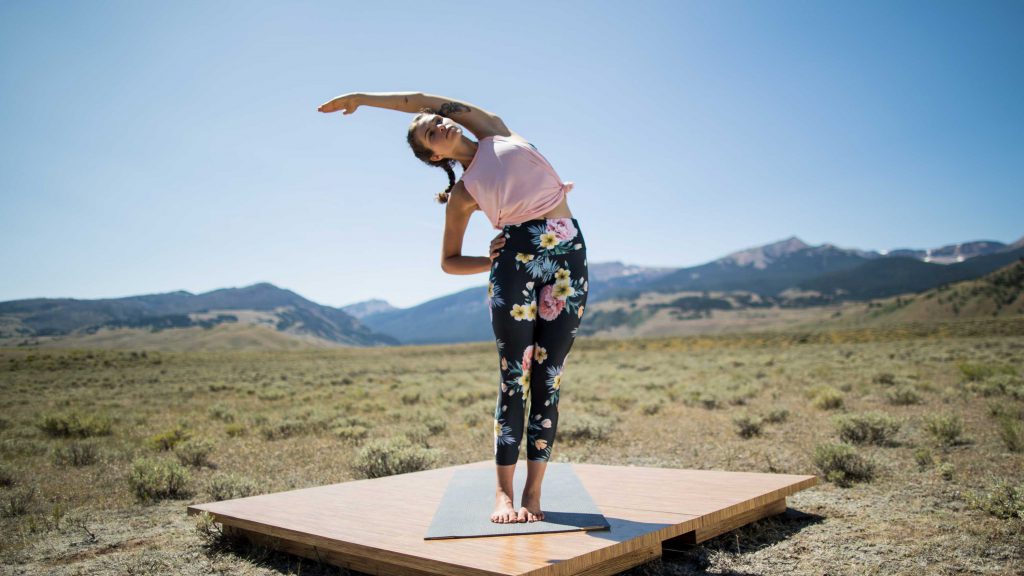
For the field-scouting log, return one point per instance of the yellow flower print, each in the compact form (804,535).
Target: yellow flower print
(497,427)
(539,354)
(490,289)
(562,291)
(524,257)
(548,240)
(526,392)
(520,312)
(562,275)
(557,381)
(540,443)
(532,310)
(524,380)
(579,311)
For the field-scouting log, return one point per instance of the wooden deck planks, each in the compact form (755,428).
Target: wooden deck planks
(377,526)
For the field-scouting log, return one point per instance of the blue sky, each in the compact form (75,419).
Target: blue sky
(150,147)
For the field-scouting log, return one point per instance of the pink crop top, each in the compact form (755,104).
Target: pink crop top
(511,181)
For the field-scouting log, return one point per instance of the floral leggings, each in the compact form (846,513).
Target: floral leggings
(535,295)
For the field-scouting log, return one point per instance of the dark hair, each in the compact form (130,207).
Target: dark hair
(424,154)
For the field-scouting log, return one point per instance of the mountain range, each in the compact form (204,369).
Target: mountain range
(785,274)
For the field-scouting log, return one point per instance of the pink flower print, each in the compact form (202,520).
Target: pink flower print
(550,306)
(562,228)
(546,423)
(527,358)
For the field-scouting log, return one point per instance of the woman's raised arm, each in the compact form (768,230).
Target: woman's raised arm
(401,101)
(477,120)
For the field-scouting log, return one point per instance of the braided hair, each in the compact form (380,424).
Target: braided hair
(424,154)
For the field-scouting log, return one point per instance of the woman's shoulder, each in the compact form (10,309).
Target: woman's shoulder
(515,138)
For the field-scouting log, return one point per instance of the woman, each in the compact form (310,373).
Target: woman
(538,267)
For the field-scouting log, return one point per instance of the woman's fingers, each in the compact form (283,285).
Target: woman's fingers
(345,103)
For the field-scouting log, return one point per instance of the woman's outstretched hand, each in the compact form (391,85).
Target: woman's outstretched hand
(497,244)
(347,102)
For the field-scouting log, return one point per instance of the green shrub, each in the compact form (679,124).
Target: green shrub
(742,394)
(410,398)
(924,458)
(777,416)
(18,500)
(168,439)
(223,413)
(903,395)
(622,401)
(709,401)
(234,430)
(275,392)
(73,424)
(1001,498)
(582,426)
(195,451)
(396,455)
(946,470)
(153,479)
(867,428)
(945,428)
(652,408)
(841,464)
(6,475)
(351,433)
(435,424)
(828,398)
(977,371)
(748,426)
(1011,432)
(76,454)
(885,379)
(701,398)
(417,433)
(285,428)
(230,486)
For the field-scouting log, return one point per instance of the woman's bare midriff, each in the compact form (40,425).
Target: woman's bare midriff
(560,211)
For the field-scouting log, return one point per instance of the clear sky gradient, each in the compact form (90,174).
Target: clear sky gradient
(157,146)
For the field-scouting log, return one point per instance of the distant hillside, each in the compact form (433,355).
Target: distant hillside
(999,293)
(459,317)
(769,269)
(367,307)
(953,252)
(899,275)
(261,304)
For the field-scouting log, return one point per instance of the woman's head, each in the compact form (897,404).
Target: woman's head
(432,138)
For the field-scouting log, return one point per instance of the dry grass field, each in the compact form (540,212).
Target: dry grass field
(918,430)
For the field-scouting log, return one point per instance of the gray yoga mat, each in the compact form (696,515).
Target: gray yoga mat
(465,510)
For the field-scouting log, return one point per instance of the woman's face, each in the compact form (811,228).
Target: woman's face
(439,134)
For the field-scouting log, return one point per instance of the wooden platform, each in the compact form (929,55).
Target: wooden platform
(377,526)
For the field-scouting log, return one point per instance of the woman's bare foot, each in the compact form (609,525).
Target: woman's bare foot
(530,510)
(503,511)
